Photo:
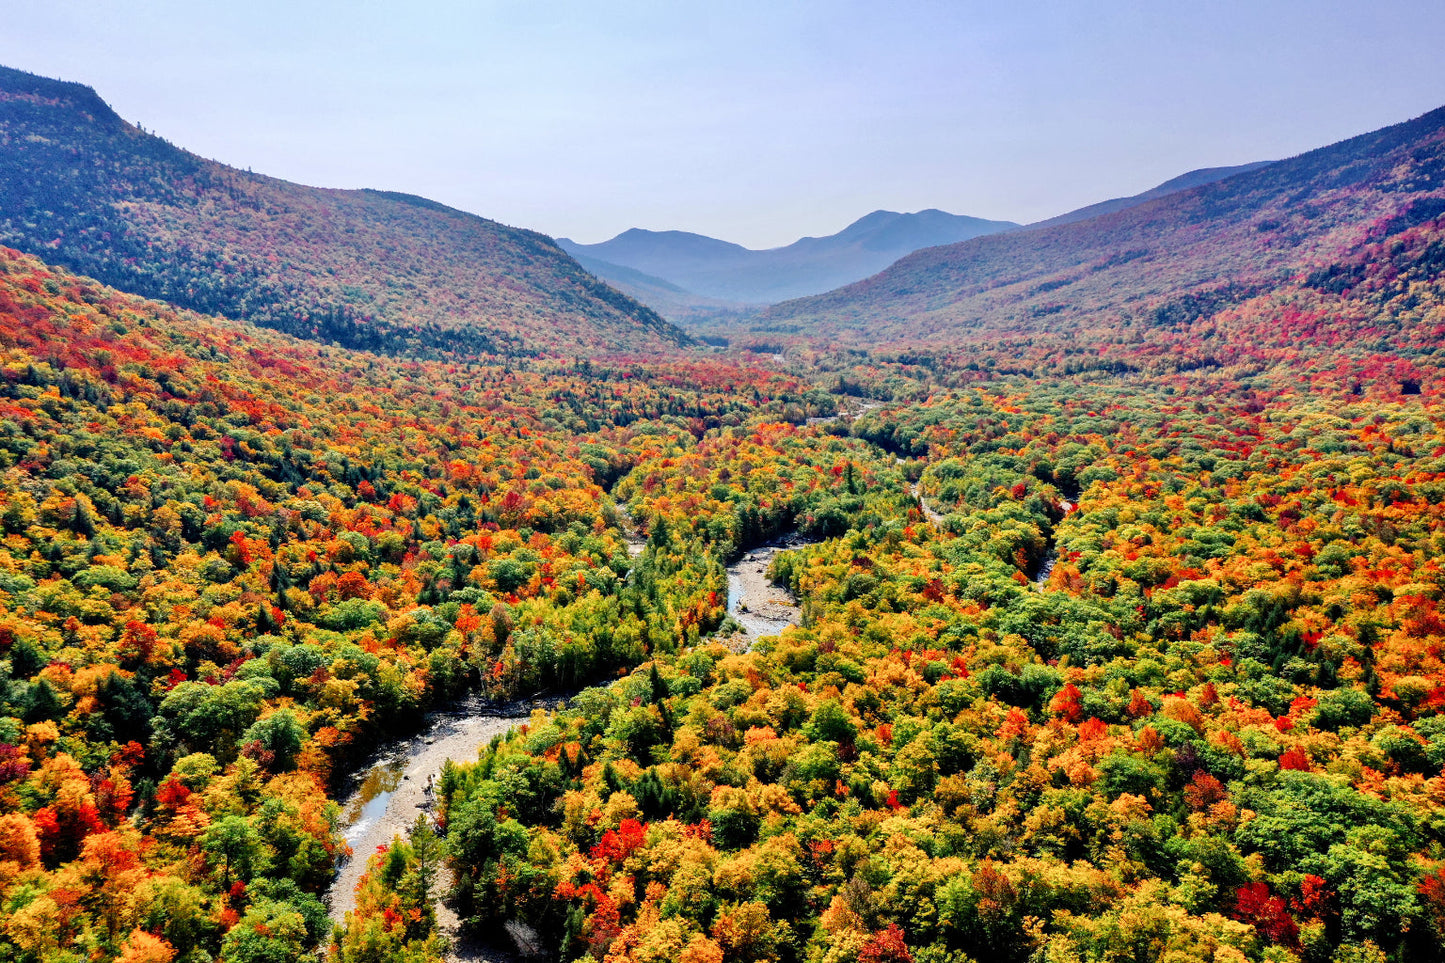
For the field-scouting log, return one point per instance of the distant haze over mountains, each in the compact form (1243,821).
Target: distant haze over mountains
(1168,261)
(378,270)
(688,276)
(1196,178)
(680,263)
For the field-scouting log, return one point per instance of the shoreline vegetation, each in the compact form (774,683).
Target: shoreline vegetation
(400,783)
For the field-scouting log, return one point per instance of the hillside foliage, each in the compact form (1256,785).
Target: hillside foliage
(1210,733)
(232,559)
(1120,624)
(364,269)
(1168,261)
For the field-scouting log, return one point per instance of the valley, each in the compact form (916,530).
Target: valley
(377,583)
(399,783)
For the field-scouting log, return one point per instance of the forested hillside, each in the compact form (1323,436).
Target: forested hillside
(1185,181)
(1184,256)
(1163,679)
(366,269)
(1118,599)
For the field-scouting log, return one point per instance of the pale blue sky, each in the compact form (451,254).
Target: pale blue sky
(756,122)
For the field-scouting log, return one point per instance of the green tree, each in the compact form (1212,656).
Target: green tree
(280,735)
(270,932)
(428,852)
(830,723)
(234,843)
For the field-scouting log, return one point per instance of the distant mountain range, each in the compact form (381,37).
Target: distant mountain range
(377,270)
(687,276)
(83,189)
(1185,255)
(669,269)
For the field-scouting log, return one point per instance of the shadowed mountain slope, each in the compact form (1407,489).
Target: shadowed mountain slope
(667,299)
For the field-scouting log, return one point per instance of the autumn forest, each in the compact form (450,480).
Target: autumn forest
(1115,551)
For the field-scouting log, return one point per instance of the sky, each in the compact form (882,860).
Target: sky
(755,122)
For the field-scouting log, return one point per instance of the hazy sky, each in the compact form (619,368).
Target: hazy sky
(757,122)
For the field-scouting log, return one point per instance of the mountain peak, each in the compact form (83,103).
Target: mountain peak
(685,242)
(370,269)
(720,270)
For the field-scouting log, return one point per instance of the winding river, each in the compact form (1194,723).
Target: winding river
(1046,567)
(399,784)
(927,509)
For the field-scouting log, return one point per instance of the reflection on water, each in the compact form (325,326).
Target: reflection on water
(369,803)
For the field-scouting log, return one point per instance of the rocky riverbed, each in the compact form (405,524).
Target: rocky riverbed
(401,784)
(754,602)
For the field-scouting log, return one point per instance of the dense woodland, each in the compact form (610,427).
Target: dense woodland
(1121,639)
(1213,733)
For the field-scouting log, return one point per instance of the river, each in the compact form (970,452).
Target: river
(632,535)
(1046,566)
(754,602)
(398,785)
(928,511)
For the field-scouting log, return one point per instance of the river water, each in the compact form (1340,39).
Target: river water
(928,511)
(399,783)
(1046,567)
(398,786)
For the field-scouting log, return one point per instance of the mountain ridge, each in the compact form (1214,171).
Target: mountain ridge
(639,261)
(724,271)
(1251,230)
(1186,181)
(366,268)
